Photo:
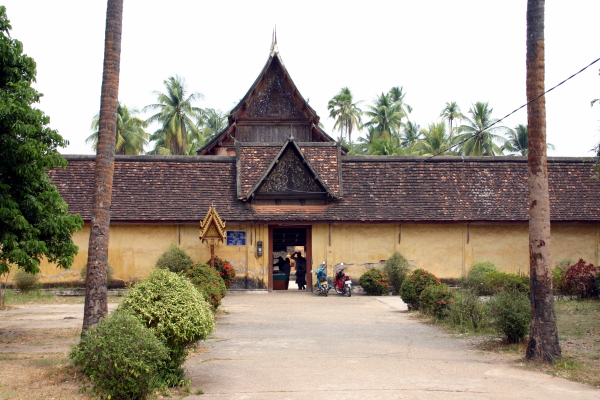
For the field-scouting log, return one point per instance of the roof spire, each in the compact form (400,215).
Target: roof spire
(274,49)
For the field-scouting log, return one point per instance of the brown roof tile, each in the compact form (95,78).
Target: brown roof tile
(376,189)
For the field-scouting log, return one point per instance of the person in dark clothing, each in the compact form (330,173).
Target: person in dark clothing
(300,271)
(286,268)
(279,263)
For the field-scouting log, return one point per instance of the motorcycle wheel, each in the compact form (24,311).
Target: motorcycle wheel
(325,291)
(349,292)
(337,290)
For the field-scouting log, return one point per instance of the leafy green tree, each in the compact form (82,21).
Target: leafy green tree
(346,113)
(131,136)
(451,112)
(385,116)
(435,140)
(479,140)
(210,124)
(177,117)
(34,222)
(397,96)
(518,141)
(411,134)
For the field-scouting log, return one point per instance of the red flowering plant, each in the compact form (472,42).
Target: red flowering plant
(414,284)
(374,282)
(435,300)
(580,280)
(208,281)
(225,269)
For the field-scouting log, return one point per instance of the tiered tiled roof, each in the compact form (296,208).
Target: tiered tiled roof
(380,189)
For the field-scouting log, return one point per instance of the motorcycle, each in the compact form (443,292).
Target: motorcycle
(322,284)
(343,283)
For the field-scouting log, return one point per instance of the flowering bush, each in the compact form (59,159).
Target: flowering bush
(435,300)
(414,284)
(208,281)
(374,282)
(580,280)
(225,270)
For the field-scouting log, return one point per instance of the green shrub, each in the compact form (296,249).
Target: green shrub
(478,277)
(435,300)
(467,312)
(396,269)
(209,282)
(121,357)
(225,270)
(414,284)
(26,282)
(511,314)
(177,313)
(374,282)
(558,275)
(110,273)
(175,260)
(502,281)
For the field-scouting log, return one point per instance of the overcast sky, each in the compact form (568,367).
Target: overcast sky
(439,51)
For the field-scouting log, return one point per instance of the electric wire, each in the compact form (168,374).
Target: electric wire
(497,121)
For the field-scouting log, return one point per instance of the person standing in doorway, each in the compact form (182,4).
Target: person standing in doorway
(286,268)
(300,271)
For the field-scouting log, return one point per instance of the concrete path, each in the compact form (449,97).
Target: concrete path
(296,345)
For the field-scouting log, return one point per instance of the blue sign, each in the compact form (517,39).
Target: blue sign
(236,238)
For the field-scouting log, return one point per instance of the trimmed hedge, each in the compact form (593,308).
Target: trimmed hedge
(176,312)
(121,357)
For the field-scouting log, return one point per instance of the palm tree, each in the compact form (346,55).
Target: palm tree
(131,136)
(435,140)
(412,134)
(386,117)
(96,301)
(176,116)
(346,113)
(211,123)
(397,96)
(476,136)
(518,139)
(543,345)
(451,112)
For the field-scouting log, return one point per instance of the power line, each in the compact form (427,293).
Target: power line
(506,116)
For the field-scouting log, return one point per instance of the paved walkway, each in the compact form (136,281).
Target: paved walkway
(296,345)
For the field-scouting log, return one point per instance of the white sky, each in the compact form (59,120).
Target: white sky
(440,51)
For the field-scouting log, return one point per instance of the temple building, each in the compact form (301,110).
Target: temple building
(283,185)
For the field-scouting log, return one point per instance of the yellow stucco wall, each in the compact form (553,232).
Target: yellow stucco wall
(447,250)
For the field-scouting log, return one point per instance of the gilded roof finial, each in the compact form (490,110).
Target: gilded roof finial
(274,49)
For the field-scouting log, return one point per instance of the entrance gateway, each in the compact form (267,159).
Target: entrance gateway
(284,241)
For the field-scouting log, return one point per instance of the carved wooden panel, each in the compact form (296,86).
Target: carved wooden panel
(290,175)
(273,133)
(273,98)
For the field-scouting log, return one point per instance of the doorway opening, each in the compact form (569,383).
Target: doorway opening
(290,255)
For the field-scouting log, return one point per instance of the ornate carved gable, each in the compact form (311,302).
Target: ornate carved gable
(274,97)
(290,176)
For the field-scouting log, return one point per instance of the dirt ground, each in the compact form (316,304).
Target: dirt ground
(35,340)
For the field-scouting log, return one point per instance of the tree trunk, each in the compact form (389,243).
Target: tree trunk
(95,299)
(543,337)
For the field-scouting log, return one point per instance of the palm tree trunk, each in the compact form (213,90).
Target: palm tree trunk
(543,337)
(95,299)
